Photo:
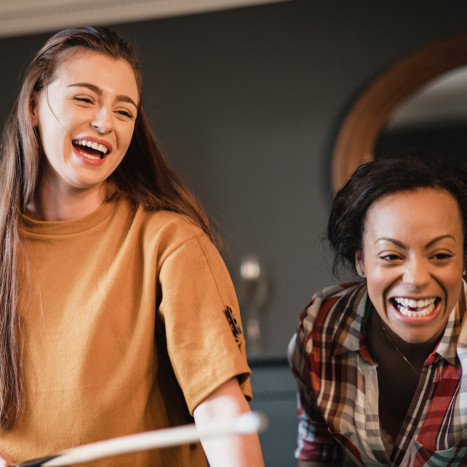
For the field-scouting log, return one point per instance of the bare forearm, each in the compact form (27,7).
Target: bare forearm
(234,450)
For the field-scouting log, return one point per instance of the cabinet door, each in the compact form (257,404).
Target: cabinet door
(275,395)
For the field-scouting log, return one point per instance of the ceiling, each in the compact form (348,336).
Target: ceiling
(20,17)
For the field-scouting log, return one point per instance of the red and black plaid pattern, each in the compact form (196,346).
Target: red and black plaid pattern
(338,389)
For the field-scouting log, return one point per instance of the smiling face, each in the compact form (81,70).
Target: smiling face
(413,260)
(86,117)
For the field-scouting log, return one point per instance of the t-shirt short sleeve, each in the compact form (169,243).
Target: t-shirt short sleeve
(202,321)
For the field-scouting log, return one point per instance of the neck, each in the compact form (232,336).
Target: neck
(53,204)
(385,345)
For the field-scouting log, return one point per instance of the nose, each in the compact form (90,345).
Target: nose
(416,273)
(102,121)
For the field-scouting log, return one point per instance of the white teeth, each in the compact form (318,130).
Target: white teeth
(406,312)
(421,307)
(410,302)
(89,156)
(93,145)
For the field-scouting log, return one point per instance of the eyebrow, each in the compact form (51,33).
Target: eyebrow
(400,244)
(98,90)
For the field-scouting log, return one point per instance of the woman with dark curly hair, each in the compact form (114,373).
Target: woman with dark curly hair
(117,312)
(381,363)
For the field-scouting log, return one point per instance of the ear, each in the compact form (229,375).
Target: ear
(33,109)
(359,263)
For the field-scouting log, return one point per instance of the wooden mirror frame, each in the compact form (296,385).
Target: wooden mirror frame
(370,113)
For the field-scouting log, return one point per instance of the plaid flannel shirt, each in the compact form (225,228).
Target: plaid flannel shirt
(338,389)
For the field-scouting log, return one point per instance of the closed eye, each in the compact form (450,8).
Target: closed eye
(125,113)
(86,100)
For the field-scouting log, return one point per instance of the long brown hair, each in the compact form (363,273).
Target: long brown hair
(144,175)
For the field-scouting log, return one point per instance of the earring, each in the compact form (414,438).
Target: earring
(362,273)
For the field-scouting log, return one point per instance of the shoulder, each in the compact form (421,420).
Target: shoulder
(331,324)
(169,223)
(156,232)
(158,223)
(340,298)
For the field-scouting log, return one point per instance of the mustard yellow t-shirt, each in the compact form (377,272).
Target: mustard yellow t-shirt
(124,330)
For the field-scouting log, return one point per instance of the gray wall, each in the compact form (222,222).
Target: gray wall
(247,103)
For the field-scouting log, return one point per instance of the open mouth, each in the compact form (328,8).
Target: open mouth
(90,149)
(413,308)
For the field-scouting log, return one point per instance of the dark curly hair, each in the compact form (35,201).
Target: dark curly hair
(379,178)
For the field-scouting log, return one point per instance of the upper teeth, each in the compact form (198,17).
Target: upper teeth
(421,307)
(93,145)
(412,303)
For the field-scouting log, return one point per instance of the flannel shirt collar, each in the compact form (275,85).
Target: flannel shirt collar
(447,347)
(354,314)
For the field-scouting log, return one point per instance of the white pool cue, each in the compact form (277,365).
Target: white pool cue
(244,424)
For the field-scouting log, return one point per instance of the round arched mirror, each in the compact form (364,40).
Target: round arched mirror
(433,120)
(379,111)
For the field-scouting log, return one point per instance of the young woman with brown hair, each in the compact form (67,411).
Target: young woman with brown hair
(118,314)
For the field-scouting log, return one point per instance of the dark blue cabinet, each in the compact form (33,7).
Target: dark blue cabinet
(274,392)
